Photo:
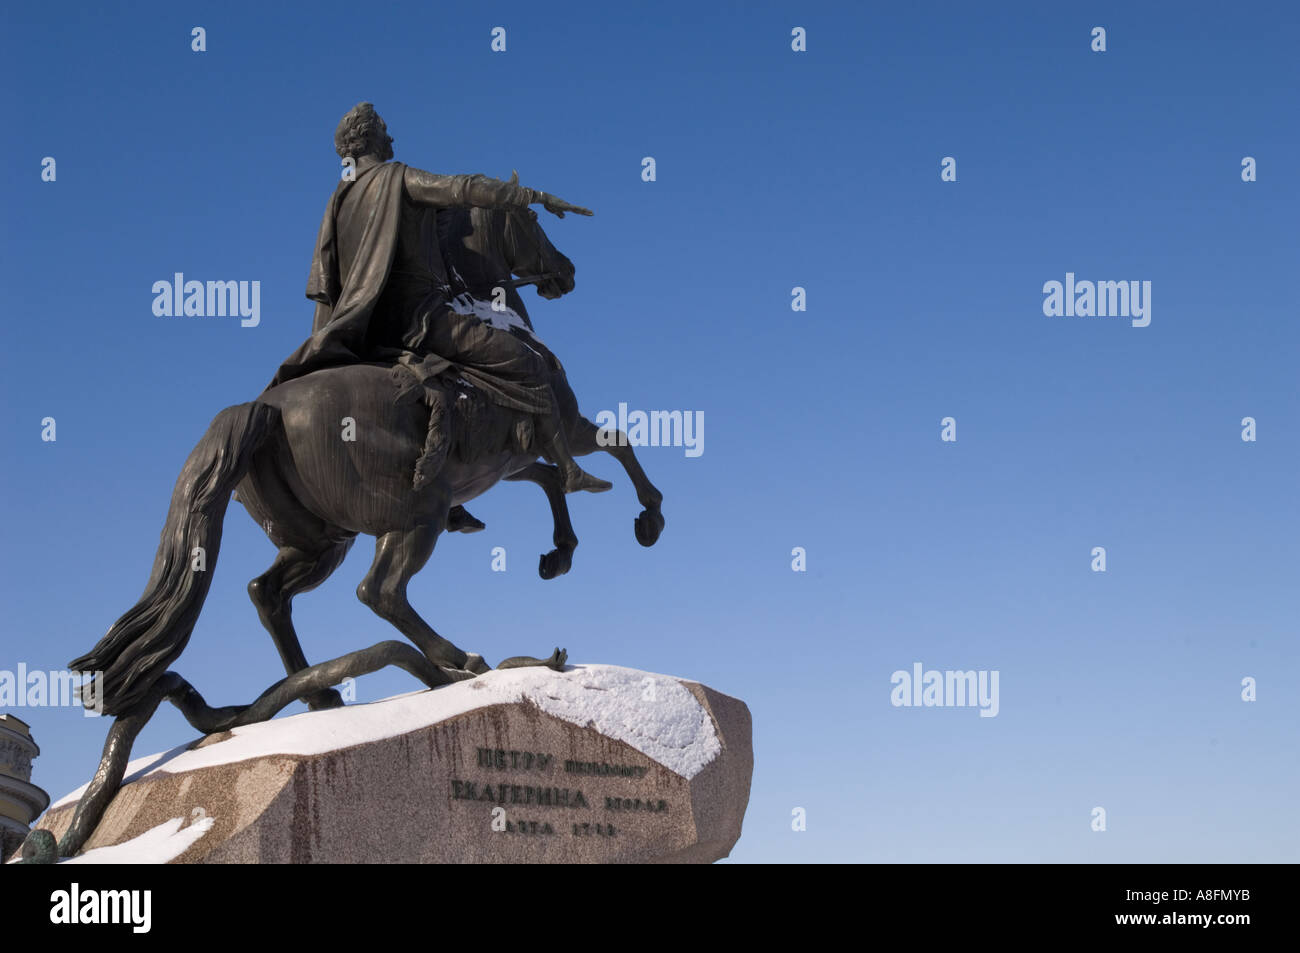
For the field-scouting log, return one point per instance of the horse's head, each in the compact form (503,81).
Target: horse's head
(530,253)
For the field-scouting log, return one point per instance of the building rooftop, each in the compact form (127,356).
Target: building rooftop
(15,724)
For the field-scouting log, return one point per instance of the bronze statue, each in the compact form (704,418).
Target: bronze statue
(408,400)
(381,289)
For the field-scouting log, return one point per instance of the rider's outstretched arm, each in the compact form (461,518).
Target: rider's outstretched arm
(452,191)
(479,191)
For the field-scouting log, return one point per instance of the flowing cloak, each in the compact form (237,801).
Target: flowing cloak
(344,307)
(345,304)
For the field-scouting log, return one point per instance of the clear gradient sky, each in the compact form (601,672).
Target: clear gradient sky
(775,169)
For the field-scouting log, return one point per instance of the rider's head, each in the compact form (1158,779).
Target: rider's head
(361,133)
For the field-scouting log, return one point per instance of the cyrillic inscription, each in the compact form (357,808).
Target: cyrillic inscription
(504,760)
(594,830)
(603,769)
(535,795)
(516,794)
(635,804)
(529,827)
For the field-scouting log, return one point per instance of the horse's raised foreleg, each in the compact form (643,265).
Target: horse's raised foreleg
(560,559)
(295,571)
(399,555)
(583,440)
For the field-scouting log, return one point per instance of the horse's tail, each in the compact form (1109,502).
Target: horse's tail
(148,638)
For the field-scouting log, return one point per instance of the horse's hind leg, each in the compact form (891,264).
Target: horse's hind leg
(582,441)
(295,571)
(560,559)
(399,555)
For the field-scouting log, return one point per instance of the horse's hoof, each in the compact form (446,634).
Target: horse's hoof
(555,563)
(648,526)
(323,700)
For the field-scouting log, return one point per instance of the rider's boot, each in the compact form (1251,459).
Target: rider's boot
(556,447)
(461,520)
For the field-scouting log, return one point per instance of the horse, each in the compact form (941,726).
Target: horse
(323,458)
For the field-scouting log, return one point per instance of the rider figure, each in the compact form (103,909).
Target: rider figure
(381,286)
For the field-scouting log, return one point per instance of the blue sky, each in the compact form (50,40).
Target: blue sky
(775,169)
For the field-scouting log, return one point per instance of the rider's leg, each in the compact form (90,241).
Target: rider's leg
(467,340)
(555,445)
